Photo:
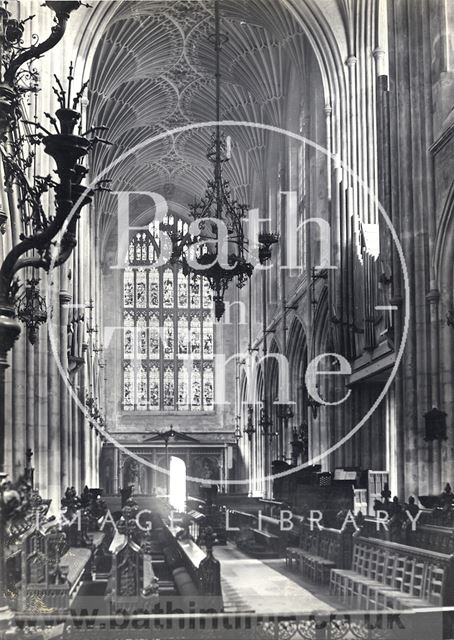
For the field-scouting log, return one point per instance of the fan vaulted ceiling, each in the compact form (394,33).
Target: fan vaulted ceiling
(154,72)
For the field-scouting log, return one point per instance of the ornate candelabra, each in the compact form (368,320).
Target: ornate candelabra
(35,248)
(266,425)
(249,429)
(300,442)
(285,414)
(237,434)
(31,309)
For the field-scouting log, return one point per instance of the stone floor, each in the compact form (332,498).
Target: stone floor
(266,586)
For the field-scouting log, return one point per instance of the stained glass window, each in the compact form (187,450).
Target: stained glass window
(169,388)
(141,289)
(196,399)
(183,336)
(154,386)
(142,388)
(183,386)
(129,330)
(141,332)
(207,297)
(208,386)
(207,337)
(182,290)
(194,284)
(168,337)
(168,288)
(128,391)
(129,289)
(153,290)
(195,338)
(154,339)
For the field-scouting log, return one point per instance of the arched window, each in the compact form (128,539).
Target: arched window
(168,337)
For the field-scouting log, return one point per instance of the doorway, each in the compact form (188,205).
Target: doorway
(177,483)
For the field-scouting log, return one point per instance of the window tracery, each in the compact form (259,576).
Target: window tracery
(168,339)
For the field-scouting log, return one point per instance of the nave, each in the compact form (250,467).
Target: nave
(254,585)
(109,562)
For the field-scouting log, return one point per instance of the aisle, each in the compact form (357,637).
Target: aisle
(249,584)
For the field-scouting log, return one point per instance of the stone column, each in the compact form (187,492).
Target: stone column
(65,434)
(56,428)
(19,404)
(433,298)
(31,422)
(83,434)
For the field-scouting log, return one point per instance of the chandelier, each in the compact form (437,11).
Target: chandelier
(266,424)
(220,216)
(67,147)
(237,433)
(31,309)
(249,429)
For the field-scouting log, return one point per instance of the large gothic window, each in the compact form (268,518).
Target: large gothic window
(168,339)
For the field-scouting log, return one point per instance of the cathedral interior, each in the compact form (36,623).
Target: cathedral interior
(227,316)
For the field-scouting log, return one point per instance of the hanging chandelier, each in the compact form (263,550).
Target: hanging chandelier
(237,434)
(219,213)
(266,424)
(31,309)
(300,442)
(249,429)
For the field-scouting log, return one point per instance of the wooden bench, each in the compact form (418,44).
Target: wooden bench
(195,572)
(389,575)
(260,533)
(132,583)
(432,537)
(271,508)
(425,536)
(82,531)
(255,539)
(319,551)
(184,557)
(51,571)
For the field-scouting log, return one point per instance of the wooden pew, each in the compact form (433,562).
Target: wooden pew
(319,551)
(259,540)
(51,571)
(13,556)
(187,555)
(424,536)
(56,559)
(432,537)
(271,508)
(267,540)
(388,575)
(81,524)
(195,572)
(132,585)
